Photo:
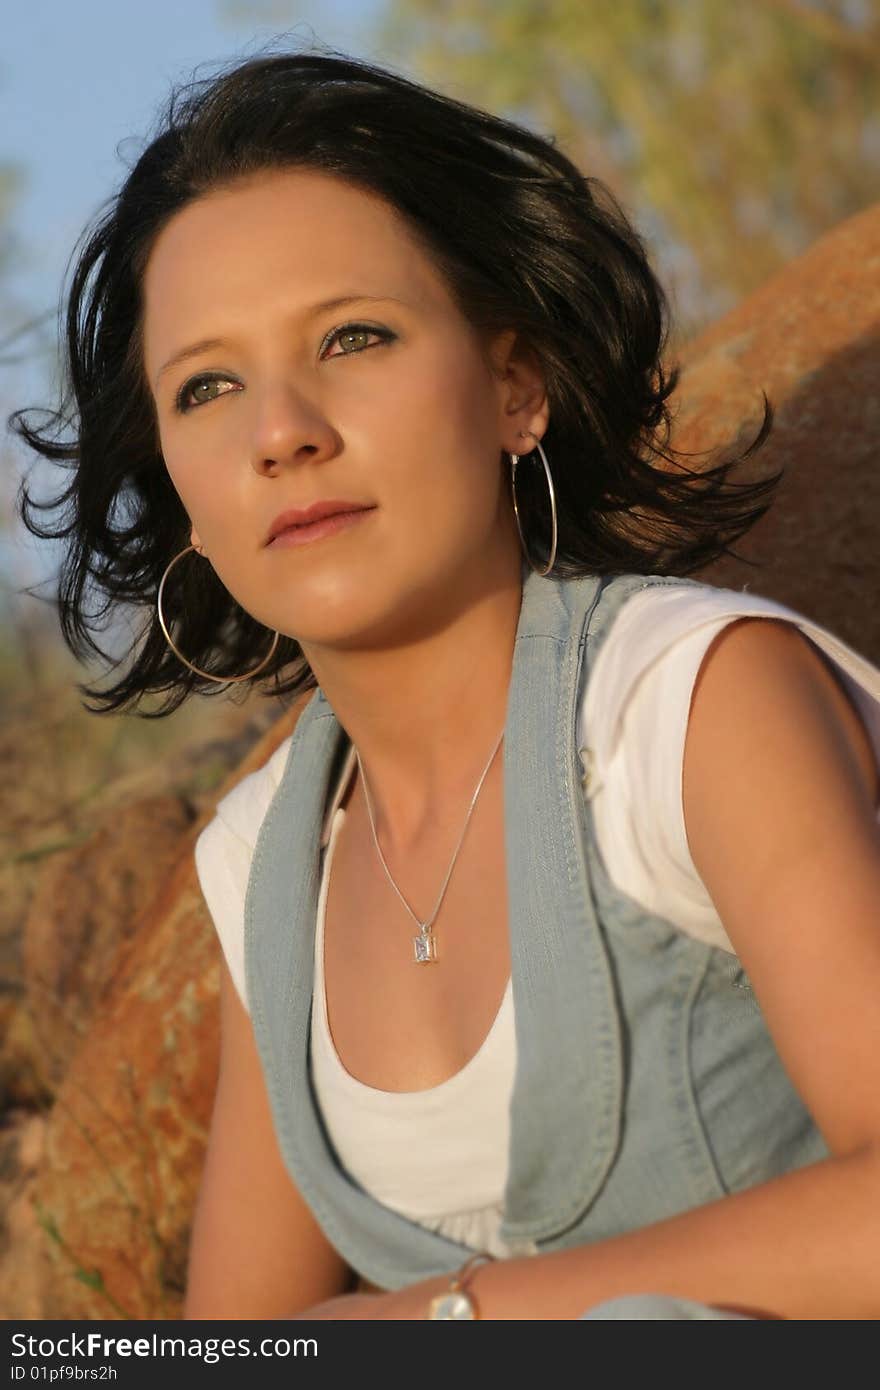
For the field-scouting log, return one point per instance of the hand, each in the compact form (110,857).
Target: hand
(346,1306)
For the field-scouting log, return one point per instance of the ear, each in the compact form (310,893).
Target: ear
(522,392)
(195,539)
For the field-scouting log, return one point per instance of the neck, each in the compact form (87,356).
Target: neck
(425,715)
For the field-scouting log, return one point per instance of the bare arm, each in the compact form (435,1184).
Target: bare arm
(256,1251)
(779,789)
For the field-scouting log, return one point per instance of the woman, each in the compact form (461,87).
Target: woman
(595,975)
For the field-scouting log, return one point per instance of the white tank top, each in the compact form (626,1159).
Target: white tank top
(420,1152)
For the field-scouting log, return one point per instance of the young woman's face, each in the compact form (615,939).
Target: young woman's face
(390,403)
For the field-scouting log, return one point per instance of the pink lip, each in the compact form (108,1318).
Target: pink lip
(303,519)
(324,526)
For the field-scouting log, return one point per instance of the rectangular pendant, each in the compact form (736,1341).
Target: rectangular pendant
(425,947)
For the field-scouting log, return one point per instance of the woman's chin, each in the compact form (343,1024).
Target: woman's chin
(347,622)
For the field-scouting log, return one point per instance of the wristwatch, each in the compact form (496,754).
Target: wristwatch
(456,1302)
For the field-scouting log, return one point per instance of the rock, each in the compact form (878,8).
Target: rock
(125,1138)
(78,865)
(810,337)
(89,900)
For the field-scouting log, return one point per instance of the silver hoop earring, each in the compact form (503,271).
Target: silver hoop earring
(223,680)
(514,460)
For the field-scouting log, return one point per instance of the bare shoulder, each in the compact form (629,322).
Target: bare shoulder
(764,660)
(779,787)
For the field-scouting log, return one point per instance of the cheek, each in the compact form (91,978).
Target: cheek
(181,476)
(195,497)
(448,417)
(202,473)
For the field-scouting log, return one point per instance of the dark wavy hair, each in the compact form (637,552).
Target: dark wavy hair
(524,240)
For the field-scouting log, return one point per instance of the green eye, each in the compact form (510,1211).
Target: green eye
(199,390)
(348,335)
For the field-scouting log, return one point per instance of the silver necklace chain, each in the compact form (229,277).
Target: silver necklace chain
(425,945)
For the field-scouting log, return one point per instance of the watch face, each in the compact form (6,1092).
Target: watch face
(452,1305)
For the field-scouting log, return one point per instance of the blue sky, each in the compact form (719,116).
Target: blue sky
(78,79)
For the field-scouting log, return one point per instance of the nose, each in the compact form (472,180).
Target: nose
(287,429)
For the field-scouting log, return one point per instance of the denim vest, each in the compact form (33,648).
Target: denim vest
(646,1081)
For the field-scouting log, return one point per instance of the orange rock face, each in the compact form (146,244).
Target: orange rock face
(89,900)
(114,1192)
(810,338)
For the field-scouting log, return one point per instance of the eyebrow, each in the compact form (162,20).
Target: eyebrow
(338,302)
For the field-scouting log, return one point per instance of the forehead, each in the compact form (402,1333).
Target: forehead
(283,237)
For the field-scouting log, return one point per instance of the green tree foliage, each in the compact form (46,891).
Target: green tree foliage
(733,134)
